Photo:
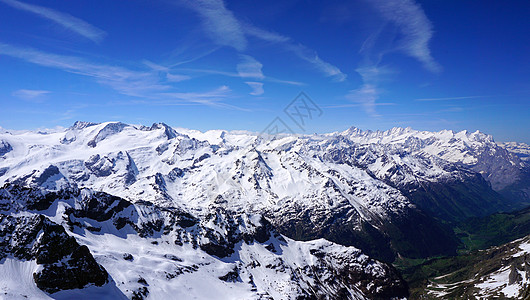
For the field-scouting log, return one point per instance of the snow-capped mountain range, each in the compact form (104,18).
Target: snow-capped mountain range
(242,204)
(521,149)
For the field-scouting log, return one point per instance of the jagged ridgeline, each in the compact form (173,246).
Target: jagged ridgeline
(247,214)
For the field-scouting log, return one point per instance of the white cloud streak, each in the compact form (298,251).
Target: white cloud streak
(155,66)
(257,88)
(451,98)
(30,95)
(226,30)
(165,71)
(125,81)
(233,74)
(414,26)
(359,105)
(299,50)
(67,21)
(416,32)
(367,95)
(128,82)
(265,35)
(219,22)
(210,98)
(177,77)
(312,57)
(249,67)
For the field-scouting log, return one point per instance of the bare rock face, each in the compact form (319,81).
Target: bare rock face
(5,147)
(65,264)
(514,276)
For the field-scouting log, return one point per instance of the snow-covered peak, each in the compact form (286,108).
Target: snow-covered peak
(397,134)
(81,125)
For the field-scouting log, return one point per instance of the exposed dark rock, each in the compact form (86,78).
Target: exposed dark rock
(514,276)
(5,148)
(172,257)
(232,276)
(46,174)
(82,125)
(169,132)
(175,173)
(162,148)
(14,196)
(65,263)
(140,293)
(100,166)
(201,158)
(271,248)
(100,206)
(141,280)
(109,129)
(132,171)
(222,245)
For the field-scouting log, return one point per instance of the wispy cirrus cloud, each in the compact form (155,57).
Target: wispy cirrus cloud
(176,77)
(367,95)
(414,26)
(301,51)
(236,74)
(265,35)
(219,22)
(166,71)
(358,105)
(30,95)
(155,66)
(257,88)
(451,98)
(67,21)
(142,84)
(249,67)
(416,32)
(312,57)
(125,81)
(213,97)
(226,30)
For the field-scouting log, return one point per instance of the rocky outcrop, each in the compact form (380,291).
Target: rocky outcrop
(64,264)
(5,148)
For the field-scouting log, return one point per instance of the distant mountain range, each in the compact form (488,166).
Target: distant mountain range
(157,212)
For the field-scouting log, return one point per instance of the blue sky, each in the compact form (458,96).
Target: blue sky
(209,64)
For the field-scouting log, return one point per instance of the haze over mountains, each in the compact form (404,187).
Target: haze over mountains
(255,216)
